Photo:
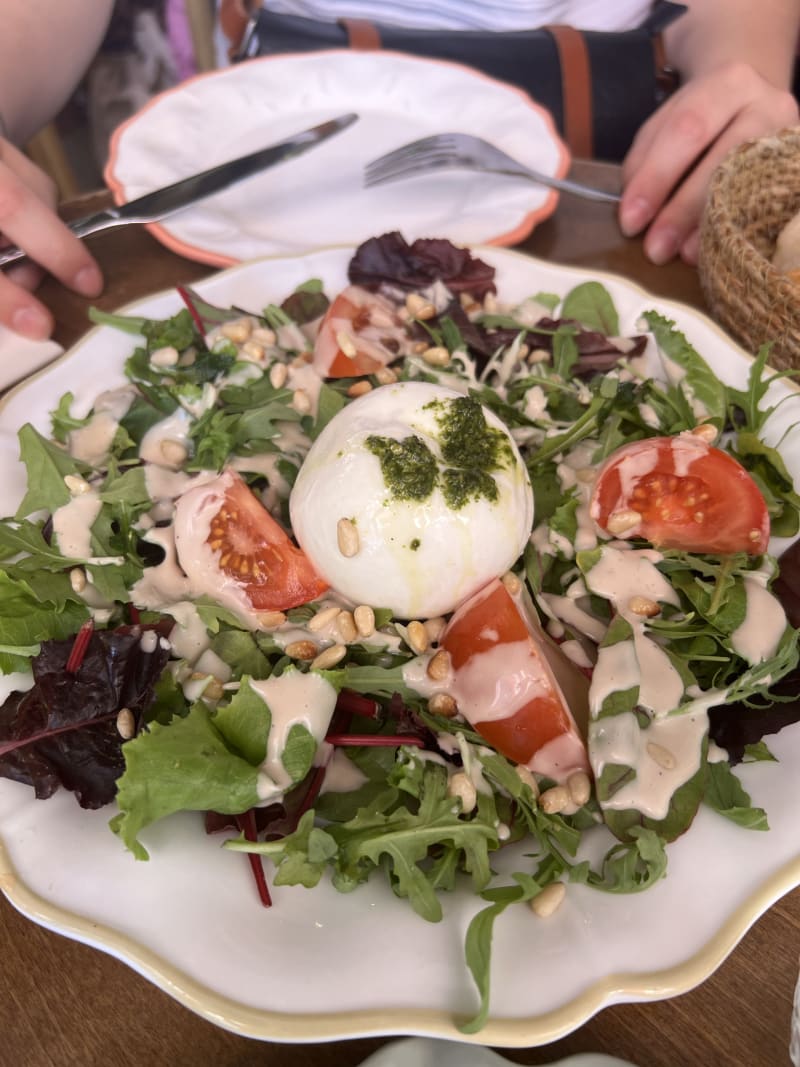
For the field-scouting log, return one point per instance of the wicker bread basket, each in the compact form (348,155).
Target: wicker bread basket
(753,194)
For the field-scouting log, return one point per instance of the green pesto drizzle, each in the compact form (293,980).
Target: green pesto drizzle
(408,466)
(471,451)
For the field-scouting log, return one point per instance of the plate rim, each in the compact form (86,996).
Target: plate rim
(163,234)
(316,1027)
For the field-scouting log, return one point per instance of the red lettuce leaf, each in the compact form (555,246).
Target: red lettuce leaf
(390,260)
(63,731)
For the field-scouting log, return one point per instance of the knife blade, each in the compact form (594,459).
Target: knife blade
(182,194)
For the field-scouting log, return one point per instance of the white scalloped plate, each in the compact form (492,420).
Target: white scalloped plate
(321,965)
(318,199)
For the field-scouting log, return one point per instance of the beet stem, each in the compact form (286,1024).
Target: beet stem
(374,740)
(247,826)
(79,647)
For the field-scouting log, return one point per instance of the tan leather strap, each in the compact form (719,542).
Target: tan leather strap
(576,89)
(667,78)
(233,18)
(362,35)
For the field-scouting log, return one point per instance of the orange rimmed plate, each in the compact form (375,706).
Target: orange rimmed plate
(319,198)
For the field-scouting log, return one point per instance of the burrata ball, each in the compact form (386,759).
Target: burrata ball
(412,498)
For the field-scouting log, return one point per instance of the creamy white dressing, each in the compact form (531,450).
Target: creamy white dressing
(174,429)
(664,755)
(566,610)
(292,698)
(757,637)
(16,682)
(72,524)
(416,677)
(341,774)
(92,443)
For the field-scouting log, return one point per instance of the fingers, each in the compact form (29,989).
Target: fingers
(670,164)
(28,220)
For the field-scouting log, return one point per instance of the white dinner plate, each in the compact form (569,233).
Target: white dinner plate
(321,965)
(318,199)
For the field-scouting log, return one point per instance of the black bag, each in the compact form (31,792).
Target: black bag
(599,87)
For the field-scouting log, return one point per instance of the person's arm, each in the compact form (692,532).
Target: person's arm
(45,47)
(736,59)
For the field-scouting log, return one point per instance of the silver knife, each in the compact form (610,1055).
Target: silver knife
(163,202)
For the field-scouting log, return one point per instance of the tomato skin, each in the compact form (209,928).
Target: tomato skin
(368,321)
(690,496)
(498,658)
(227,540)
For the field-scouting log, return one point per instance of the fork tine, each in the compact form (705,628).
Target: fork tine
(407,149)
(417,161)
(390,174)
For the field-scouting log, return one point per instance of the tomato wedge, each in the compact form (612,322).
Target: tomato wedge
(510,682)
(360,333)
(231,548)
(680,492)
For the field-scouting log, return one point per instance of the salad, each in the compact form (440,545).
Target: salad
(391,581)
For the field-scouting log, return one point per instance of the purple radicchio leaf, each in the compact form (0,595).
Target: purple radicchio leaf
(63,731)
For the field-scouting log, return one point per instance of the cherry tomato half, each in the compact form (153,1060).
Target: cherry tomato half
(360,333)
(224,535)
(505,683)
(687,494)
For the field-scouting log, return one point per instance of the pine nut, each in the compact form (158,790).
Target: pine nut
(302,359)
(623,521)
(346,627)
(301,401)
(322,619)
(527,778)
(301,650)
(443,704)
(385,376)
(278,373)
(539,355)
(550,899)
(586,475)
(237,331)
(77,486)
(173,453)
(706,431)
(364,618)
(643,605)
(252,352)
(580,788)
(359,388)
(77,579)
(213,689)
(264,336)
(271,620)
(512,583)
(126,724)
(660,755)
(347,538)
(436,356)
(434,628)
(490,303)
(346,344)
(523,351)
(419,307)
(461,786)
(416,637)
(328,658)
(555,799)
(164,357)
(439,666)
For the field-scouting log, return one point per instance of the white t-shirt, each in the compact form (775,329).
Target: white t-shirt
(475,14)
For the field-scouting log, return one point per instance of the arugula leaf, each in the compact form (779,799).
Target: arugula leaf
(47,466)
(698,380)
(726,795)
(591,305)
(185,766)
(62,420)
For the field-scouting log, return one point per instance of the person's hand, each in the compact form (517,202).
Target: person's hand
(668,168)
(28,219)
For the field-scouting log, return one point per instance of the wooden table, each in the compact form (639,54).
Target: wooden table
(63,1003)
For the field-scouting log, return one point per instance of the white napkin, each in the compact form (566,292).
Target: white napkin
(20,357)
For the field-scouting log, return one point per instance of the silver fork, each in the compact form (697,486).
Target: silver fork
(456,150)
